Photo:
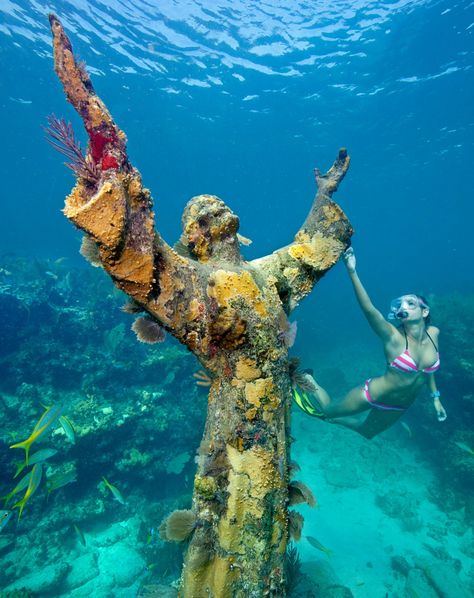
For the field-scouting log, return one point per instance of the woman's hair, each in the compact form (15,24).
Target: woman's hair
(425,303)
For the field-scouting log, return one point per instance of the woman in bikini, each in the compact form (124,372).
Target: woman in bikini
(411,350)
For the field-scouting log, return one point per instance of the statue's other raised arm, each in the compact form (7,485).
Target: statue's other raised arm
(110,204)
(318,244)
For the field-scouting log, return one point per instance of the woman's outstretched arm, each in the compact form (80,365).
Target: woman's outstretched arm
(110,204)
(376,320)
(435,395)
(318,244)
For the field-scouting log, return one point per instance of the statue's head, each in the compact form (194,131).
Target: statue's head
(210,230)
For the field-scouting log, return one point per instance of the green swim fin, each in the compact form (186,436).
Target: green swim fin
(305,404)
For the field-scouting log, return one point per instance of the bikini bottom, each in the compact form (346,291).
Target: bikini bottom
(376,404)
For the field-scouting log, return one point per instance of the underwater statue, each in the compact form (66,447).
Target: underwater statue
(232,314)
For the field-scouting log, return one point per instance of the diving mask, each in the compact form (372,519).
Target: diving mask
(400,307)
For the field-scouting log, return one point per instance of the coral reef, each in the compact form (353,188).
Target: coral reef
(128,432)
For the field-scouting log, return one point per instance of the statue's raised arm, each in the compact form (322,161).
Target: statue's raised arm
(318,244)
(110,204)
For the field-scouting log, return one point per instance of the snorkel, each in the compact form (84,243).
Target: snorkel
(401,314)
(399,308)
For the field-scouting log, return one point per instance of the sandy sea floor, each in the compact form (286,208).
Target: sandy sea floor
(375,504)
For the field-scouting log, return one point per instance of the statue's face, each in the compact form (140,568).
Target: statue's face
(209,227)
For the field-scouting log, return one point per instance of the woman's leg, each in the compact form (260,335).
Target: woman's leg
(376,421)
(354,402)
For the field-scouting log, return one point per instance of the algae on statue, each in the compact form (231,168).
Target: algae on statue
(232,315)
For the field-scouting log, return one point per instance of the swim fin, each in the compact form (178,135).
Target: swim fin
(305,404)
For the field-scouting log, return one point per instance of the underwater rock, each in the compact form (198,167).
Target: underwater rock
(134,458)
(157,591)
(417,584)
(467,544)
(83,569)
(411,523)
(400,564)
(6,544)
(321,572)
(401,505)
(23,593)
(444,578)
(95,587)
(398,505)
(121,563)
(111,536)
(43,581)
(320,580)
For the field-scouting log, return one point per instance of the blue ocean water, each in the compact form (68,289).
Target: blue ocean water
(243,100)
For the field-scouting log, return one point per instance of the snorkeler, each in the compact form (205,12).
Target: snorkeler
(411,350)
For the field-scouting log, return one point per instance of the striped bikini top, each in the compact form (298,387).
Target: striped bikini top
(405,362)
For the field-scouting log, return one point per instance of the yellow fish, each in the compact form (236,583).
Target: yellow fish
(37,457)
(22,484)
(115,491)
(50,414)
(60,479)
(80,535)
(317,544)
(33,484)
(463,446)
(68,428)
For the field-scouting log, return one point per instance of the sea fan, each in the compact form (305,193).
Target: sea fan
(295,525)
(179,525)
(148,330)
(90,251)
(287,330)
(162,531)
(301,378)
(300,493)
(293,572)
(132,307)
(60,135)
(293,365)
(293,468)
(305,381)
